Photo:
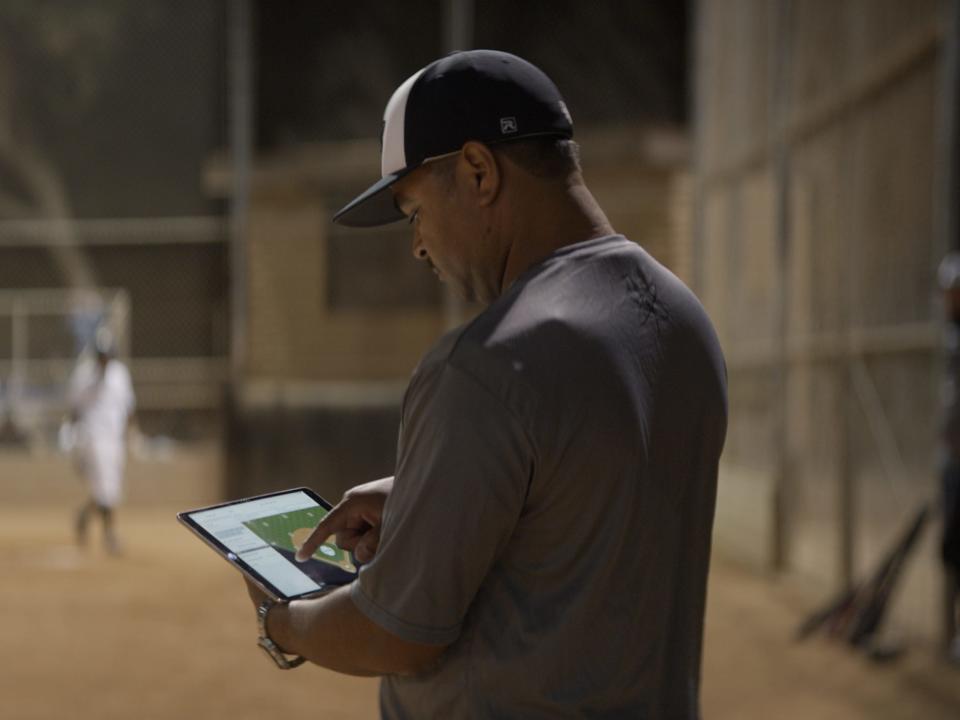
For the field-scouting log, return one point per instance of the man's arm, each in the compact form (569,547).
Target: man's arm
(331,631)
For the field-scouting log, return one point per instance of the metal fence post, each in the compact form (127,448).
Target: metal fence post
(18,356)
(458,35)
(947,216)
(239,71)
(779,118)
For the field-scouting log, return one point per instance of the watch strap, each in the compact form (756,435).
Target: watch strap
(283,661)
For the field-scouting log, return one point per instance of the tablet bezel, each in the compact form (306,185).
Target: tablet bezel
(227,554)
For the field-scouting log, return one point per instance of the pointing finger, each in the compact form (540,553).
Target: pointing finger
(335,520)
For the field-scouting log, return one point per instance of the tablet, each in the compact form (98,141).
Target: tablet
(259,535)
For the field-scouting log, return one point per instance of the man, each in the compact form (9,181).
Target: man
(542,550)
(101,408)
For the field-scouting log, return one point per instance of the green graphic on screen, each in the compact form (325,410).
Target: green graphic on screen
(289,530)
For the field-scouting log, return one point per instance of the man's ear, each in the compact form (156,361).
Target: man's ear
(484,172)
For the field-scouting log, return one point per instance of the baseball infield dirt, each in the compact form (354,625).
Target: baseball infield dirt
(166,630)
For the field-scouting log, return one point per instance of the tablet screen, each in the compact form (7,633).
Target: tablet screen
(262,534)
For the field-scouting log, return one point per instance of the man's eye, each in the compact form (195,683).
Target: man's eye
(413,216)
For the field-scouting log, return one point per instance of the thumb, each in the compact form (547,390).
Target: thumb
(367,546)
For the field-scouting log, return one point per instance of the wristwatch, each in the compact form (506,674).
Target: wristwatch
(284,662)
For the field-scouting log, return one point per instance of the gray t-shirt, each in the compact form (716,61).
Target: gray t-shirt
(554,495)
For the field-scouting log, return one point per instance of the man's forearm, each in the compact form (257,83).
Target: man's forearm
(331,631)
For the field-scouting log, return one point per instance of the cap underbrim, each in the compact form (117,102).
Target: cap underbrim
(374,206)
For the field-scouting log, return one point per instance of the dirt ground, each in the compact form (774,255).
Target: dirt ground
(166,631)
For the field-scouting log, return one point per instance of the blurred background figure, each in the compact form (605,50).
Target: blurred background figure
(949,277)
(101,409)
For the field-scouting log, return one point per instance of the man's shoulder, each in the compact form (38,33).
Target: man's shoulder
(439,353)
(555,301)
(525,321)
(582,302)
(476,358)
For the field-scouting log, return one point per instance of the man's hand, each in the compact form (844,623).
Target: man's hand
(256,594)
(330,630)
(355,521)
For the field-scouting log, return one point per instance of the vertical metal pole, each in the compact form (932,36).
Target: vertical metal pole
(948,140)
(458,35)
(458,25)
(697,61)
(779,108)
(18,357)
(240,83)
(947,217)
(846,491)
(847,515)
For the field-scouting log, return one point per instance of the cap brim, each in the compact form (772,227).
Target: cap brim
(374,206)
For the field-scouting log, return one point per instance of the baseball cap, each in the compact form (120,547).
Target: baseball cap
(484,95)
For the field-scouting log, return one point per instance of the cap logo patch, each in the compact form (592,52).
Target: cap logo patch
(508,125)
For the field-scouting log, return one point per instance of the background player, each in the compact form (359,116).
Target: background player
(101,408)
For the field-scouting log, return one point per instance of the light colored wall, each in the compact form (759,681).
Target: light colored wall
(815,176)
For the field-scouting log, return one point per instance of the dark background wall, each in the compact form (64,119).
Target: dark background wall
(326,70)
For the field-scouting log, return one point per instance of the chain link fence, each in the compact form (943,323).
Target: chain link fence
(109,112)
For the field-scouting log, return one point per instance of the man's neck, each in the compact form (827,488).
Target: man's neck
(551,218)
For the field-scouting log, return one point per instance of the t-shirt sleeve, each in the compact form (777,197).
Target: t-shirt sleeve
(464,464)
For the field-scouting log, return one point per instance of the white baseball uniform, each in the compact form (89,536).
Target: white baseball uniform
(103,405)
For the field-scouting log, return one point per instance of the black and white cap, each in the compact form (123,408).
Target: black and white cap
(482,95)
